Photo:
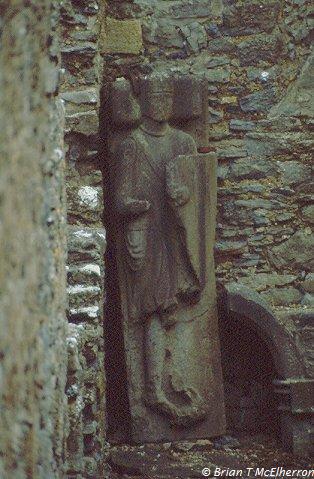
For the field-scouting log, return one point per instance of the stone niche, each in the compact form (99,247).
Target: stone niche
(162,333)
(268,387)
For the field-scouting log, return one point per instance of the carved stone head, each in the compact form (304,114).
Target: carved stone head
(156,97)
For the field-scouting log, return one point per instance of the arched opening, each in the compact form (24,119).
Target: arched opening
(248,372)
(257,351)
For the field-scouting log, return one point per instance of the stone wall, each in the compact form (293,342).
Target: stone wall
(32,244)
(85,389)
(256,58)
(252,54)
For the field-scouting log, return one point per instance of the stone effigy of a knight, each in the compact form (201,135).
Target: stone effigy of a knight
(161,186)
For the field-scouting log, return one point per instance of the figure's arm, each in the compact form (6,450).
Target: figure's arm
(179,192)
(126,200)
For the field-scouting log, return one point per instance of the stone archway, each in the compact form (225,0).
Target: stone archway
(293,390)
(243,301)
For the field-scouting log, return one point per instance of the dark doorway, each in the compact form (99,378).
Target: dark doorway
(248,371)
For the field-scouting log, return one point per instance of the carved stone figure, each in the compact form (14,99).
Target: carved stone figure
(161,188)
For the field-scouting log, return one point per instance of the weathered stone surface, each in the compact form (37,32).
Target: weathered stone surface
(164,303)
(297,100)
(221,45)
(294,253)
(242,125)
(262,281)
(195,36)
(308,300)
(155,462)
(162,33)
(259,102)
(145,461)
(86,244)
(231,247)
(246,17)
(218,75)
(83,67)
(308,213)
(231,149)
(88,96)
(199,8)
(121,36)
(32,246)
(282,296)
(260,48)
(259,203)
(252,168)
(277,143)
(263,75)
(294,172)
(218,61)
(308,283)
(86,123)
(215,116)
(121,94)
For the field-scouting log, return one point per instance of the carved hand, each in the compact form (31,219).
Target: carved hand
(180,195)
(135,206)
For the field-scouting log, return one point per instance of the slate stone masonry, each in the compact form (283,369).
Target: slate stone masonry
(255,56)
(257,60)
(85,389)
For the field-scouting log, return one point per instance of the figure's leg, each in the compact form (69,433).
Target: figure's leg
(155,351)
(185,406)
(155,358)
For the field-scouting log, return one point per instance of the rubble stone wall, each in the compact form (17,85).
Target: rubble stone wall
(32,244)
(257,60)
(80,84)
(255,56)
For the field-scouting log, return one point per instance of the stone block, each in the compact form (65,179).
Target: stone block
(86,244)
(261,281)
(221,45)
(88,96)
(308,213)
(241,125)
(233,148)
(308,283)
(162,33)
(297,100)
(121,36)
(294,253)
(259,102)
(218,61)
(308,300)
(197,8)
(294,172)
(230,247)
(250,16)
(252,168)
(81,294)
(218,75)
(282,296)
(260,48)
(86,123)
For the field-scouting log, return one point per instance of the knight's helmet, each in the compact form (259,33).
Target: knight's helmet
(155,84)
(156,92)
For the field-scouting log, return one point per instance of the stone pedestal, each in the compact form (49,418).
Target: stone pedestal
(296,408)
